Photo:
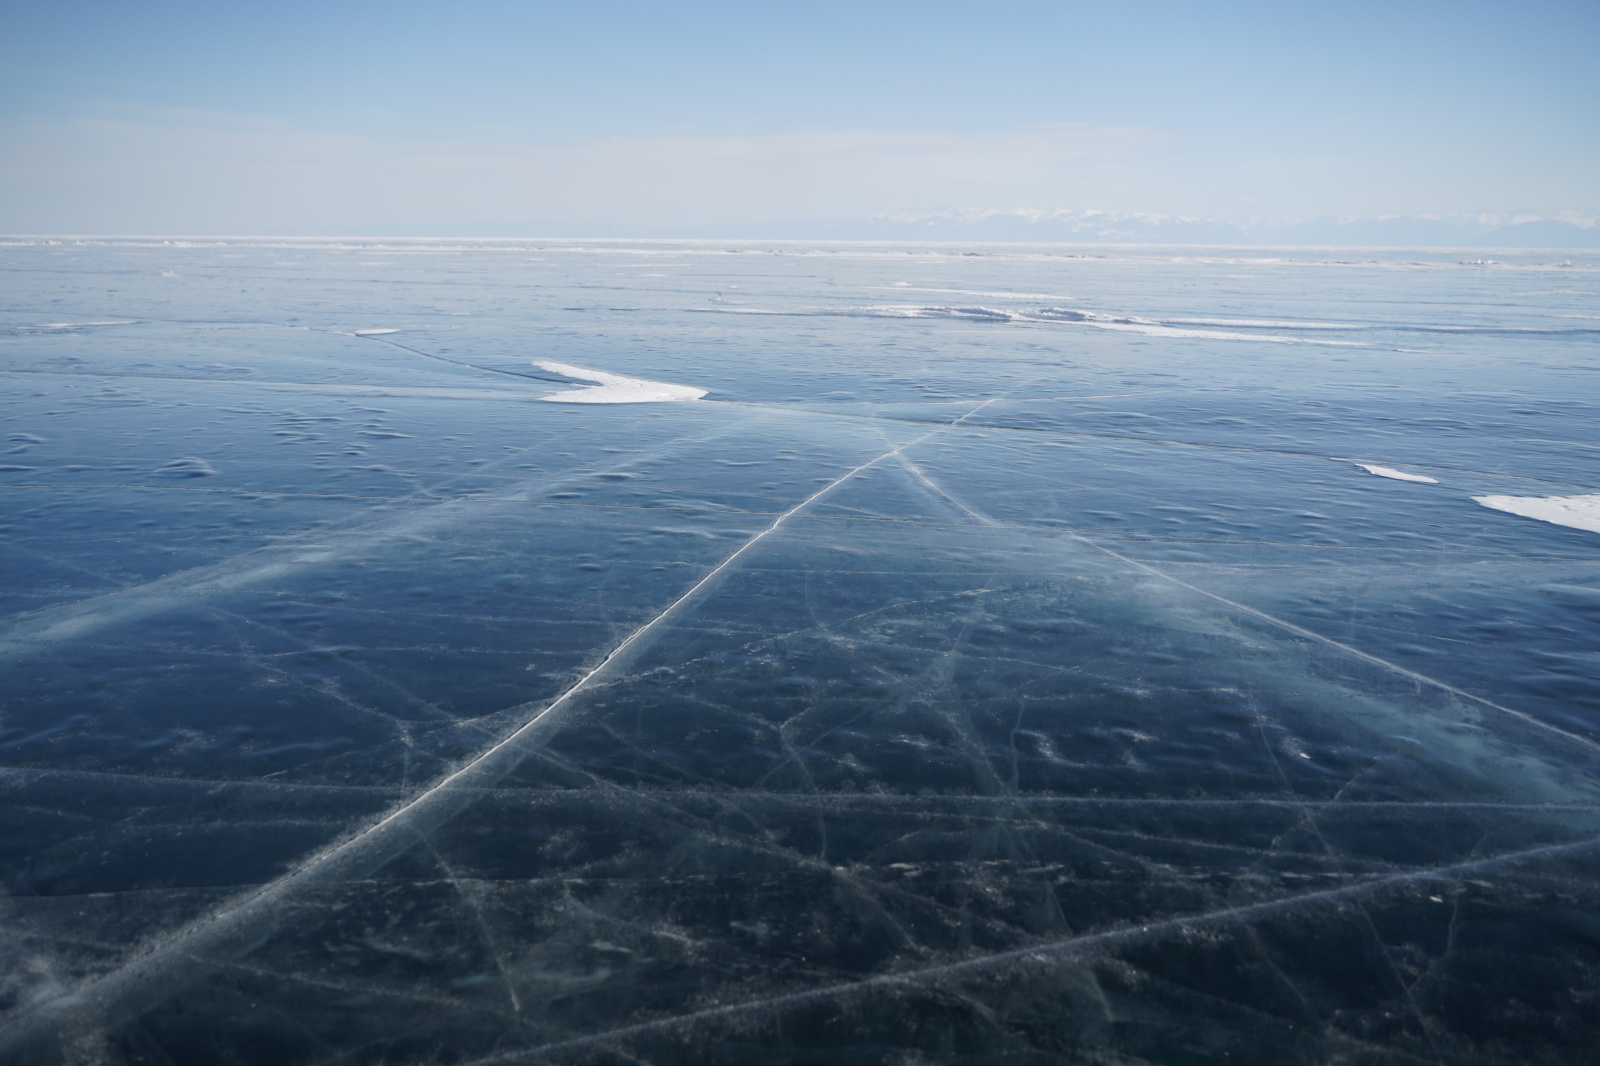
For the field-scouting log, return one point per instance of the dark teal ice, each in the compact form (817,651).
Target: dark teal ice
(1006,662)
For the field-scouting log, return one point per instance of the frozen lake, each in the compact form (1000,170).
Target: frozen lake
(1014,655)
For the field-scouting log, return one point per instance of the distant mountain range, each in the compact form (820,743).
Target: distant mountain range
(1566,230)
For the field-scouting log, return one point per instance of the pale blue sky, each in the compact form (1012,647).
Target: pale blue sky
(368,117)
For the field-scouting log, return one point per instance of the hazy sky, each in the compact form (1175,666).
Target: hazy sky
(289,117)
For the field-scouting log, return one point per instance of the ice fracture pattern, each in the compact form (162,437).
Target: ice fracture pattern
(984,655)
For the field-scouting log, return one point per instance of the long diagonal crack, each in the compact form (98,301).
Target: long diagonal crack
(1044,953)
(1299,631)
(207,943)
(38,630)
(180,958)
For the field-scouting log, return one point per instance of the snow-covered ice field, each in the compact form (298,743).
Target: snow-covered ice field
(874,654)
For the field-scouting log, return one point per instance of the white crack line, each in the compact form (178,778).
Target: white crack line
(149,979)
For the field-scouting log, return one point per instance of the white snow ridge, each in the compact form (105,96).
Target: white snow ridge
(615,388)
(1579,512)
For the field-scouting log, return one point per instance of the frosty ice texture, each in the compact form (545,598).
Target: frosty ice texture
(957,681)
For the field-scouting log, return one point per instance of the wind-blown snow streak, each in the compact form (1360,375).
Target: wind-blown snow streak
(615,388)
(1397,475)
(177,960)
(1579,512)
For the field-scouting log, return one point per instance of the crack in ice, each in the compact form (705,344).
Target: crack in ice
(1300,631)
(235,929)
(1045,953)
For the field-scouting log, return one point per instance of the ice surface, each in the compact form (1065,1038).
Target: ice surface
(941,687)
(1397,475)
(1579,512)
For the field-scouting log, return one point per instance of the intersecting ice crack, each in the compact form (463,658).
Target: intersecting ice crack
(1589,745)
(830,799)
(1059,431)
(31,631)
(246,922)
(263,661)
(1309,820)
(794,732)
(1307,807)
(848,987)
(1048,952)
(470,896)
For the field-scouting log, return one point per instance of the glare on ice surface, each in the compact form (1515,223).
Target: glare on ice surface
(961,683)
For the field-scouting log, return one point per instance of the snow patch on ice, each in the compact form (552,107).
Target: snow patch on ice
(374,332)
(1578,512)
(615,388)
(1398,475)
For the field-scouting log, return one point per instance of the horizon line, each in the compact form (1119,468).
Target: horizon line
(614,238)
